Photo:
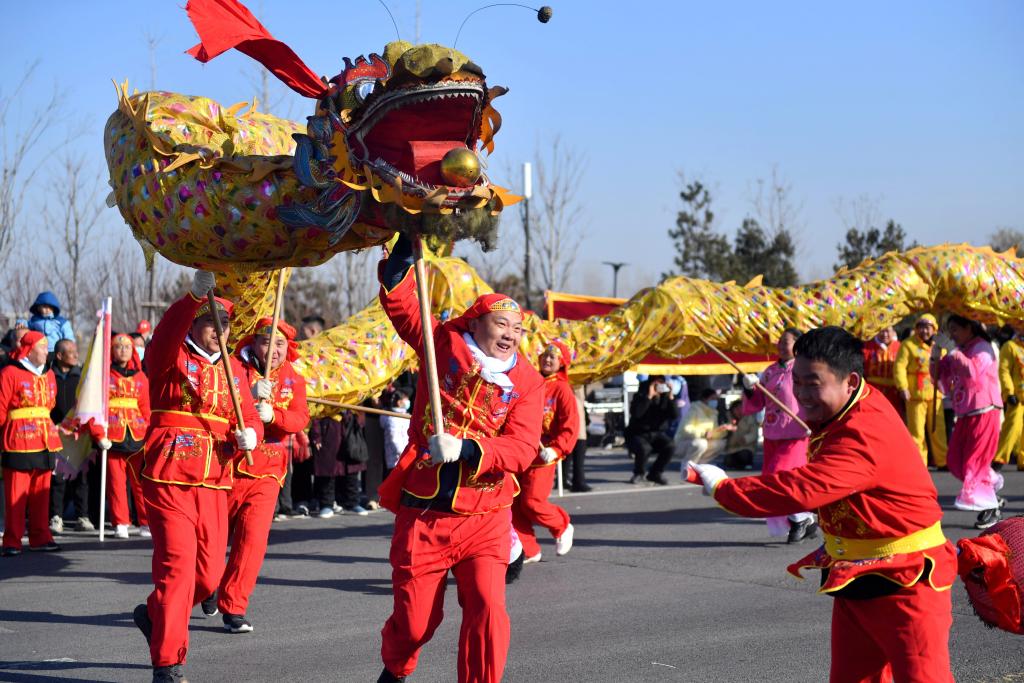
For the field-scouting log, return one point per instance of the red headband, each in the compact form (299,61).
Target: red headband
(263,327)
(492,303)
(134,363)
(222,303)
(28,340)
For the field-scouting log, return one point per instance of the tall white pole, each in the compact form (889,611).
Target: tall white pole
(108,304)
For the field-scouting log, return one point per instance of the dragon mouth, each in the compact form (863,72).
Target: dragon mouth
(403,135)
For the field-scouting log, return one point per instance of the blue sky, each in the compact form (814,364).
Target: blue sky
(917,104)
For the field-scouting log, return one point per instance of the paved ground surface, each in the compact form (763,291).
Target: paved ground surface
(661,586)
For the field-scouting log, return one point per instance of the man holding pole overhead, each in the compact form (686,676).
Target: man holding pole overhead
(451,486)
(186,473)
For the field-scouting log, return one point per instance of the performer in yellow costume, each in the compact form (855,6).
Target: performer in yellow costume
(1011,382)
(925,420)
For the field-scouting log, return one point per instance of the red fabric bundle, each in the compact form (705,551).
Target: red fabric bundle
(992,569)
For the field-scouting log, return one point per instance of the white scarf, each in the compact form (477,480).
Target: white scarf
(491,369)
(211,358)
(35,370)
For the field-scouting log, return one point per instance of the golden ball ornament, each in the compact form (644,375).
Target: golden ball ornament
(460,167)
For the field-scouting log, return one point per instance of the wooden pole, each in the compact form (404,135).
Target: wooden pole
(278,301)
(769,395)
(429,357)
(239,418)
(364,409)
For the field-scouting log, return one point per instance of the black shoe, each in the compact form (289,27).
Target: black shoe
(50,547)
(10,552)
(582,488)
(388,677)
(169,674)
(799,531)
(236,623)
(997,466)
(515,568)
(987,518)
(141,618)
(943,468)
(657,479)
(209,606)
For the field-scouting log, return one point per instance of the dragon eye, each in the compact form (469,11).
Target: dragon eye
(363,90)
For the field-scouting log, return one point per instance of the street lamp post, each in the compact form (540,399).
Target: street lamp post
(527,193)
(615,275)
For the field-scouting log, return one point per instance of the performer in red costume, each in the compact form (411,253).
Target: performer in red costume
(129,418)
(885,559)
(282,409)
(450,492)
(186,471)
(28,392)
(879,365)
(560,428)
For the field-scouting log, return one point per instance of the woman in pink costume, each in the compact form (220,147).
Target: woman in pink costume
(969,375)
(785,441)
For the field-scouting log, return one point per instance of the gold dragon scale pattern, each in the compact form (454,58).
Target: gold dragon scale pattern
(355,360)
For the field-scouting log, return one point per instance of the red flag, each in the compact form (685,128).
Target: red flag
(226,24)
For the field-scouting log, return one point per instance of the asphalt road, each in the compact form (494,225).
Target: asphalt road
(660,586)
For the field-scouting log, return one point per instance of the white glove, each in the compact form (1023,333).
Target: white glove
(445,448)
(245,439)
(263,389)
(202,282)
(266,412)
(750,380)
(708,475)
(548,455)
(104,444)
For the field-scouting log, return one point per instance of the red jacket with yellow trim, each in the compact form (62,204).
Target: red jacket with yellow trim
(866,480)
(25,403)
(291,415)
(190,437)
(129,406)
(560,426)
(504,424)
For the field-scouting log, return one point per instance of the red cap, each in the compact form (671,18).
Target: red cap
(143,327)
(263,327)
(222,303)
(28,340)
(563,351)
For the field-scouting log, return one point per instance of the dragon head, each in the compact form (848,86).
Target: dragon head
(379,148)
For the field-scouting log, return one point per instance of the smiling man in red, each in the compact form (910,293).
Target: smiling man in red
(449,491)
(885,559)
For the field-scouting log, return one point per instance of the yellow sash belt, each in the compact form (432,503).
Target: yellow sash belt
(124,403)
(867,548)
(32,413)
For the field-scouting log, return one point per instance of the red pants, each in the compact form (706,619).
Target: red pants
(904,635)
(532,506)
(26,489)
(189,525)
(251,505)
(475,548)
(117,490)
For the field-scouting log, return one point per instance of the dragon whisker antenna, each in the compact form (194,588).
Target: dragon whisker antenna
(543,15)
(393,22)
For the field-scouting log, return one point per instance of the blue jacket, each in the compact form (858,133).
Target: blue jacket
(55,328)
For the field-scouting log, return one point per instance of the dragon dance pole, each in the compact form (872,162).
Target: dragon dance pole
(429,358)
(363,409)
(226,362)
(278,304)
(769,395)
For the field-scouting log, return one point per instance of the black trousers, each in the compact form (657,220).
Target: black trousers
(345,490)
(642,445)
(284,496)
(74,490)
(572,466)
(302,481)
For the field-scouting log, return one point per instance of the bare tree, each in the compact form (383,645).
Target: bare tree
(1007,238)
(556,215)
(773,205)
(356,279)
(860,213)
(20,158)
(72,215)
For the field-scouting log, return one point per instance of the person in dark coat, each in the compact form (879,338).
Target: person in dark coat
(336,480)
(651,412)
(68,373)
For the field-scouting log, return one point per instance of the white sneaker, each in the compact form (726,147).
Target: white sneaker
(531,560)
(563,544)
(337,508)
(326,513)
(85,525)
(144,532)
(57,524)
(121,531)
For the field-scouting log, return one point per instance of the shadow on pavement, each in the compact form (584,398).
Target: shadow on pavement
(364,586)
(36,617)
(20,671)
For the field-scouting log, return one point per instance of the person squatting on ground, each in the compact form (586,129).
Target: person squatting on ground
(129,419)
(30,442)
(926,420)
(699,438)
(186,471)
(451,492)
(559,430)
(651,412)
(785,440)
(969,374)
(281,404)
(1011,380)
(885,559)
